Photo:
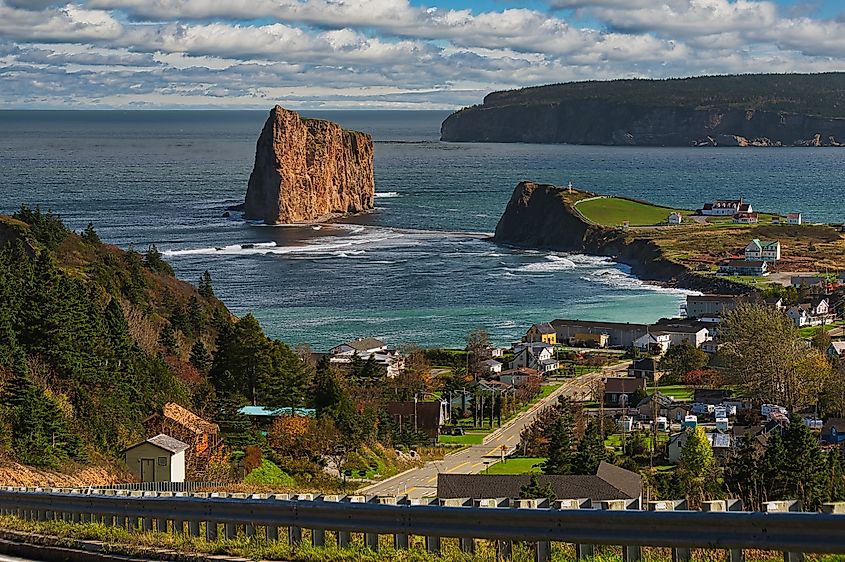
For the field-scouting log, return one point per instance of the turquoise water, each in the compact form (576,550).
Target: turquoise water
(417,270)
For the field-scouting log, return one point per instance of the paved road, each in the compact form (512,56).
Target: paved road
(422,481)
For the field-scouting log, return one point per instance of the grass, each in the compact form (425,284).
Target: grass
(139,544)
(676,391)
(810,331)
(517,465)
(475,438)
(614,211)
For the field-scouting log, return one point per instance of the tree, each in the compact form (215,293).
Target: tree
(742,476)
(766,358)
(561,442)
(90,235)
(821,339)
(804,470)
(682,358)
(200,356)
(478,342)
(590,452)
(697,465)
(205,288)
(533,490)
(154,262)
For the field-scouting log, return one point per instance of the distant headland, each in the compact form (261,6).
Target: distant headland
(712,249)
(744,110)
(308,170)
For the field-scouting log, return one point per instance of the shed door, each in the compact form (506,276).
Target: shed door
(148,470)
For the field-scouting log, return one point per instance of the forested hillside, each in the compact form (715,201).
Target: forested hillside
(92,339)
(809,94)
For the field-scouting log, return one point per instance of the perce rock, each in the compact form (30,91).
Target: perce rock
(308,170)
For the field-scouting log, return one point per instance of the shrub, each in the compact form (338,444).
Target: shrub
(268,474)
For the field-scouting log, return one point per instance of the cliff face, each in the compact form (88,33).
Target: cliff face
(308,170)
(539,217)
(593,121)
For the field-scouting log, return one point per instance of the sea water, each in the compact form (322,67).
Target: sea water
(420,269)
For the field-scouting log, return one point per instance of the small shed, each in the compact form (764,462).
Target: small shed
(157,459)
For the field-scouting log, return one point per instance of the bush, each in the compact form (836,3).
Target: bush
(268,474)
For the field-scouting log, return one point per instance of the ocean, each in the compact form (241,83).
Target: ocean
(418,270)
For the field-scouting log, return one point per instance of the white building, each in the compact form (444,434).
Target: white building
(492,366)
(391,359)
(814,313)
(675,218)
(763,250)
(726,208)
(535,355)
(157,459)
(793,218)
(653,342)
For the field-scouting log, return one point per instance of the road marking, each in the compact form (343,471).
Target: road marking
(431,480)
(409,490)
(454,468)
(509,439)
(475,465)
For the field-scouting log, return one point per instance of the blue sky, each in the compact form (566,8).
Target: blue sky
(422,54)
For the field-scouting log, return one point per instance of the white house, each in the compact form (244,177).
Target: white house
(813,313)
(657,342)
(675,218)
(836,349)
(535,355)
(361,345)
(157,459)
(793,218)
(391,359)
(492,366)
(720,442)
(763,250)
(519,377)
(726,208)
(746,218)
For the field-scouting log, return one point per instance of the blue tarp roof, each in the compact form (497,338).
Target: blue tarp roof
(264,411)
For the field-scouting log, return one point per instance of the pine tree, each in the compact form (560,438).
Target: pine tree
(200,356)
(533,490)
(561,440)
(742,477)
(206,289)
(590,452)
(167,340)
(90,235)
(805,475)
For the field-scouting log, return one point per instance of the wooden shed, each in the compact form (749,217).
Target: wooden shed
(157,459)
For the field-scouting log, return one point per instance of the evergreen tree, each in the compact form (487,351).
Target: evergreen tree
(742,477)
(155,262)
(206,289)
(235,426)
(90,235)
(835,477)
(533,490)
(590,452)
(167,340)
(561,441)
(200,356)
(805,475)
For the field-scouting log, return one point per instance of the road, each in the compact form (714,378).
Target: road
(422,482)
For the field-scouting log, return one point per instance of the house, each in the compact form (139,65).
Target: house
(744,267)
(158,459)
(609,483)
(675,219)
(655,403)
(677,413)
(813,313)
(765,250)
(793,218)
(262,417)
(591,340)
(618,391)
(833,431)
(774,302)
(427,417)
(808,281)
(653,342)
(543,332)
(520,377)
(726,208)
(391,360)
(711,345)
(836,350)
(711,396)
(644,369)
(720,442)
(619,334)
(203,437)
(537,356)
(681,330)
(492,385)
(746,218)
(491,366)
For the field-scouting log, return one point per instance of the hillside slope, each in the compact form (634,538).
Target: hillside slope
(747,110)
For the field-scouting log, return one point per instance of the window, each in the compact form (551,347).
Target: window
(162,461)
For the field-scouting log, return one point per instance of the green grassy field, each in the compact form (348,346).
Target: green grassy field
(676,391)
(614,211)
(811,331)
(517,465)
(465,439)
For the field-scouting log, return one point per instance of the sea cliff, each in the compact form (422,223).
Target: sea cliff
(754,110)
(308,170)
(543,216)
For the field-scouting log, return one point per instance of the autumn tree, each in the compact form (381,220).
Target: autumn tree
(682,358)
(478,342)
(697,466)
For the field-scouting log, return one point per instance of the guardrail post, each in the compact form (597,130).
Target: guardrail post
(161,523)
(582,551)
(834,508)
(178,523)
(488,502)
(371,539)
(344,537)
(467,543)
(148,521)
(781,507)
(542,549)
(271,532)
(678,554)
(211,525)
(734,554)
(630,553)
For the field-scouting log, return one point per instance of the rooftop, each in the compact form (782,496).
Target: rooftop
(164,442)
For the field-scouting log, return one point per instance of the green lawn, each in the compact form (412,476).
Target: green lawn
(676,391)
(465,439)
(613,211)
(811,331)
(517,465)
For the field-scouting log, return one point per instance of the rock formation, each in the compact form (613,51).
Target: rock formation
(308,170)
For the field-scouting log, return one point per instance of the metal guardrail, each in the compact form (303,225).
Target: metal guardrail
(613,522)
(163,486)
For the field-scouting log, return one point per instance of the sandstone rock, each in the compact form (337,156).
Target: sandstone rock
(308,170)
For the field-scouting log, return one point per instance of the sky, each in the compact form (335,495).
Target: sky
(387,54)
